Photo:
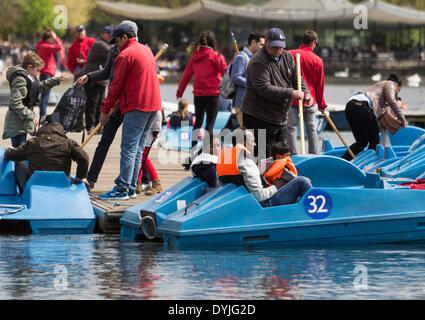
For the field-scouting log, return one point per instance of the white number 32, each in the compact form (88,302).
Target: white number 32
(319,207)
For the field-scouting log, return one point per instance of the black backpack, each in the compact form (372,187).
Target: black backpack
(70,110)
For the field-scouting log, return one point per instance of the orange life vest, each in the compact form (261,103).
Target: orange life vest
(227,163)
(276,169)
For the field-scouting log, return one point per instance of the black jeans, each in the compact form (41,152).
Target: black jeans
(94,94)
(108,135)
(274,133)
(363,124)
(209,105)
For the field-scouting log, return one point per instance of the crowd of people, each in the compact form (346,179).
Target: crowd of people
(120,78)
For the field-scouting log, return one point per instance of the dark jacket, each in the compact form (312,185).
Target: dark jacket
(51,150)
(107,73)
(269,87)
(97,57)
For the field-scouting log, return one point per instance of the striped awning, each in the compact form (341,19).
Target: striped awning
(275,10)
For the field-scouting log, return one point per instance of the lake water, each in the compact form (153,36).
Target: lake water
(103,267)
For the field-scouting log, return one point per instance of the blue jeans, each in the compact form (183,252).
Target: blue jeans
(288,193)
(135,129)
(44,99)
(18,140)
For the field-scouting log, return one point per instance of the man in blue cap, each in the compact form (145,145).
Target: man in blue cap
(271,85)
(95,60)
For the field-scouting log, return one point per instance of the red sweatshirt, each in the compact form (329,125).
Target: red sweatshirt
(312,73)
(46,51)
(206,66)
(135,81)
(79,49)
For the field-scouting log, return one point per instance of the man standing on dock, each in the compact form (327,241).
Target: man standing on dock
(313,74)
(136,87)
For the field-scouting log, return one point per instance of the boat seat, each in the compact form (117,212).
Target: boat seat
(49,179)
(7,175)
(406,136)
(332,172)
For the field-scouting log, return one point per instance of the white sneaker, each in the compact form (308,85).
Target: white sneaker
(146,186)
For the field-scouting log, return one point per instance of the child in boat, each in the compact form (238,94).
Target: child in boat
(279,168)
(24,91)
(203,165)
(182,114)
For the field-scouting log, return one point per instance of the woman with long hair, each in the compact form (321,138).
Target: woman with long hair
(182,114)
(206,65)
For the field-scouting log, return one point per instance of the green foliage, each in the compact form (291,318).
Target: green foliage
(36,16)
(9,15)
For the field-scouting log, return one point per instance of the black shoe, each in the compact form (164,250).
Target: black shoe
(90,186)
(186,163)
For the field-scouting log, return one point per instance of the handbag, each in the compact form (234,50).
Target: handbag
(389,121)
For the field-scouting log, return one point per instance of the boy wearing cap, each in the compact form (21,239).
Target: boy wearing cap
(79,50)
(271,86)
(136,87)
(96,59)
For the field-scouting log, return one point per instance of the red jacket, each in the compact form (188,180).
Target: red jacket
(46,51)
(206,66)
(79,49)
(312,73)
(135,81)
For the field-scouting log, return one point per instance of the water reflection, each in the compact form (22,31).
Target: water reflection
(103,267)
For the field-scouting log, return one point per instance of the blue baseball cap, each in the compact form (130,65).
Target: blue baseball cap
(119,30)
(80,27)
(276,38)
(107,29)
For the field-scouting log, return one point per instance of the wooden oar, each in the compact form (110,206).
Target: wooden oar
(300,104)
(339,135)
(96,129)
(235,43)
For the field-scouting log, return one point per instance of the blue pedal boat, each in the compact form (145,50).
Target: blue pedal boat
(48,204)
(344,207)
(405,158)
(180,138)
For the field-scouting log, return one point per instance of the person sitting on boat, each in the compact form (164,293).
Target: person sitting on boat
(279,168)
(203,165)
(182,114)
(49,150)
(237,165)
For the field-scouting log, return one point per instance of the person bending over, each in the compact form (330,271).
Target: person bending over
(49,150)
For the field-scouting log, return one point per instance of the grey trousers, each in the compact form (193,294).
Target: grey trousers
(310,128)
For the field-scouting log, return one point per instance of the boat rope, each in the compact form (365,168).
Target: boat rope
(402,162)
(148,226)
(15,208)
